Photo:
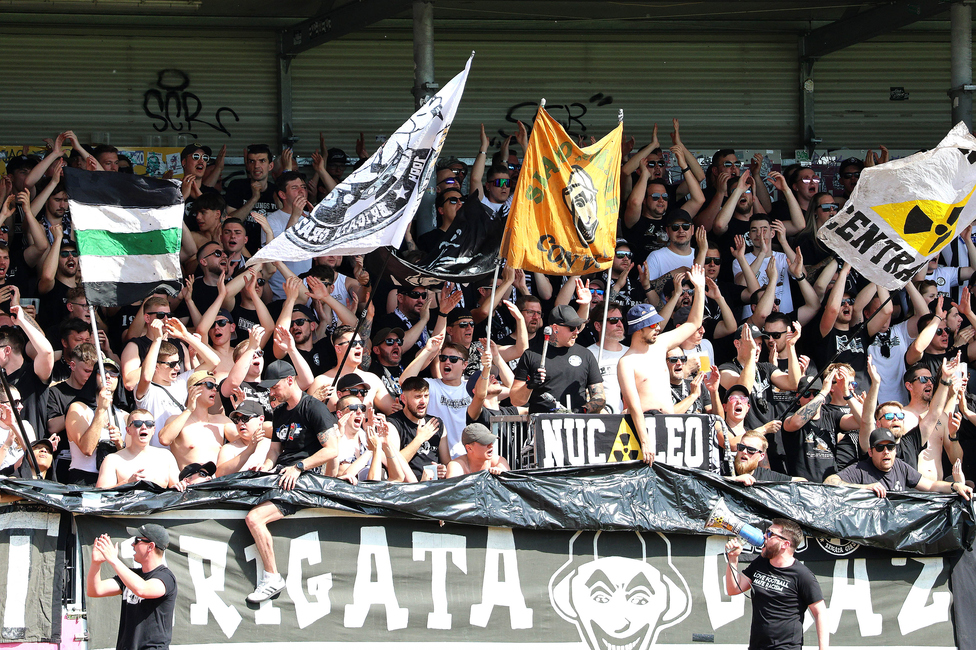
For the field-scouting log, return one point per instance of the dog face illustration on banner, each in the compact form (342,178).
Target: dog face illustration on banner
(615,595)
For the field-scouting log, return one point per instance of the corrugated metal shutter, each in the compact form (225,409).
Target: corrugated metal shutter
(853,89)
(94,83)
(726,90)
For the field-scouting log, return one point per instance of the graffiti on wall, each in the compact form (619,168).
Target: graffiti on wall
(174,108)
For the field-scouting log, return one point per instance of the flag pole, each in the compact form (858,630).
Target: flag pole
(360,321)
(98,347)
(491,304)
(606,310)
(19,422)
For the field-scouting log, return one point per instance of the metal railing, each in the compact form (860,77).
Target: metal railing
(515,440)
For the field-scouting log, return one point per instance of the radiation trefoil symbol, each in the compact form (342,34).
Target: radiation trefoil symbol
(925,225)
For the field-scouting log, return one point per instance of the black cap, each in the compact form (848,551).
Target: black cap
(45,442)
(153,532)
(382,335)
(191,148)
(194,468)
(307,311)
(678,215)
(249,407)
(736,388)
(275,372)
(565,315)
(20,162)
(882,435)
(458,314)
(350,380)
(336,157)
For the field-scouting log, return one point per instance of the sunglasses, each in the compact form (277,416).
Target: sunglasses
(893,416)
(67,254)
(358,392)
(500,182)
(83,305)
(738,398)
(417,295)
(458,172)
(209,385)
(847,301)
(143,540)
(882,447)
(728,163)
(449,357)
(111,372)
(465,325)
(658,196)
(677,359)
(596,292)
(453,200)
(4,229)
(624,255)
(215,252)
(300,321)
(656,163)
(393,341)
(172,364)
(358,343)
(237,418)
(450,181)
(138,424)
(514,168)
(810,181)
(355,407)
(220,322)
(262,282)
(768,534)
(680,226)
(200,156)
(774,335)
(922,380)
(941,330)
(161,315)
(613,320)
(849,175)
(713,260)
(747,449)
(809,393)
(828,207)
(258,354)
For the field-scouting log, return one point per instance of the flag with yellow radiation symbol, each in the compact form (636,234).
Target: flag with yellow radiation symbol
(563,219)
(902,213)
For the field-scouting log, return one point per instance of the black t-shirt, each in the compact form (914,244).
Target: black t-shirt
(761,407)
(427,454)
(487,413)
(568,373)
(147,623)
(33,395)
(769,476)
(297,429)
(244,319)
(810,450)
(251,392)
(910,446)
(900,477)
(934,361)
(780,597)
(237,193)
(53,307)
(853,351)
(59,398)
(320,358)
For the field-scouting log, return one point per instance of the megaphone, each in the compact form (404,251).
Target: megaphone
(722,517)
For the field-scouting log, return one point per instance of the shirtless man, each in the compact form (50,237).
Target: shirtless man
(250,450)
(643,372)
(378,396)
(139,461)
(478,444)
(196,435)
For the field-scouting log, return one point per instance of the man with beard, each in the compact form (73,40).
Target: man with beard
(782,589)
(531,309)
(250,450)
(810,434)
(850,173)
(420,434)
(749,452)
(59,272)
(643,371)
(377,397)
(613,350)
(568,377)
(687,394)
(647,207)
(882,472)
(678,254)
(412,314)
(195,435)
(305,328)
(212,264)
(138,460)
(387,348)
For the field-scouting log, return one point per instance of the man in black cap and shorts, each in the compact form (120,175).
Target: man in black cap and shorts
(148,594)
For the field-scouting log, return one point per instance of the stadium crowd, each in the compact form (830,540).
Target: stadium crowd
(719,291)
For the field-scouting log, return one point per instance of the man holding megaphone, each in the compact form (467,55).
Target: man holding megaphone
(782,588)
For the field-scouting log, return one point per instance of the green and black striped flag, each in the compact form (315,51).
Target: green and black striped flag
(128,229)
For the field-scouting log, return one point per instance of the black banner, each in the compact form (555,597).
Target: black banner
(31,572)
(578,440)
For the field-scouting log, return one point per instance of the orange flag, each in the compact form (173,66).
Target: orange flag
(563,219)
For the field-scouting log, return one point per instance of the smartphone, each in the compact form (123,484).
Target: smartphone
(24,302)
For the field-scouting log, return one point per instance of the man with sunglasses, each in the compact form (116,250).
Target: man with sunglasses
(138,460)
(678,254)
(449,204)
(148,593)
(810,434)
(387,356)
(250,450)
(613,350)
(931,346)
(849,173)
(155,307)
(749,453)
(412,315)
(882,472)
(377,396)
(647,209)
(58,273)
(195,435)
(783,589)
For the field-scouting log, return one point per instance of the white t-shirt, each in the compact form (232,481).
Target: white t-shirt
(608,370)
(945,278)
(278,220)
(495,209)
(85,463)
(157,402)
(15,453)
(664,260)
(783,290)
(450,404)
(892,367)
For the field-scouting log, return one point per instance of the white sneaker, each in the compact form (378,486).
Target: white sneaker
(266,589)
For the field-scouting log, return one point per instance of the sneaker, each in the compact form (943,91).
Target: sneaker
(266,589)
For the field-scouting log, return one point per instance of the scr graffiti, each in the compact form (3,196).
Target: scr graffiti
(177,109)
(570,115)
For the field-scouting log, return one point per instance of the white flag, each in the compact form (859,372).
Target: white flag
(373,207)
(904,212)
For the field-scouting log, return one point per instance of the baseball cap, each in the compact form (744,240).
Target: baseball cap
(882,435)
(199,376)
(153,532)
(565,315)
(384,333)
(306,311)
(737,388)
(352,380)
(477,433)
(249,407)
(191,148)
(20,162)
(45,442)
(458,314)
(640,316)
(753,329)
(809,383)
(676,216)
(194,468)
(275,372)
(473,379)
(336,157)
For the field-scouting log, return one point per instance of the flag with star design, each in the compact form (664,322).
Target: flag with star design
(563,219)
(902,213)
(374,205)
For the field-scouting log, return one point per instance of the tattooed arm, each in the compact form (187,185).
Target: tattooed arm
(597,399)
(806,412)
